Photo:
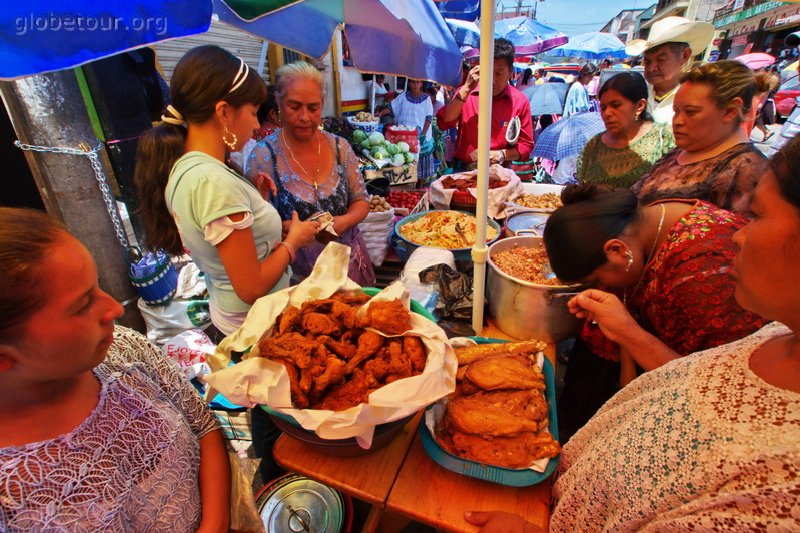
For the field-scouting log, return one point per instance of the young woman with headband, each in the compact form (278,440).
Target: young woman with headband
(191,199)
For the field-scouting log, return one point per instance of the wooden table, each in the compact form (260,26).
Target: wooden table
(427,493)
(368,477)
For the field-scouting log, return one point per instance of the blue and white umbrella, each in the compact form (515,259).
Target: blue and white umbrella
(568,136)
(592,45)
(547,98)
(464,32)
(460,9)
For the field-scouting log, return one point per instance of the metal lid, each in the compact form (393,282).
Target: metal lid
(527,220)
(294,503)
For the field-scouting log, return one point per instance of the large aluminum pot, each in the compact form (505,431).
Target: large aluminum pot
(526,310)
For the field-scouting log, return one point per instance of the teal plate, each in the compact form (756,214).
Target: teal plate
(503,476)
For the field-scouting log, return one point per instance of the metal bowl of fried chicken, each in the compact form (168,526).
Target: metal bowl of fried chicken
(357,361)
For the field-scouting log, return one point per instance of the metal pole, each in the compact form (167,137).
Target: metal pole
(47,110)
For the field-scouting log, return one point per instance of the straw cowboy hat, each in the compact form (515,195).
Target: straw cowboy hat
(697,35)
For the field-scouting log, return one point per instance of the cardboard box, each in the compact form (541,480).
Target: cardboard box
(396,175)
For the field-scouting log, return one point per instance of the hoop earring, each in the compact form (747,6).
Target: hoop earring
(629,255)
(231,144)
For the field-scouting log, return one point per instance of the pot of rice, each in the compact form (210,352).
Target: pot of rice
(526,300)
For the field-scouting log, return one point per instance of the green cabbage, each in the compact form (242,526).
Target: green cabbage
(398,160)
(409,157)
(403,146)
(365,144)
(392,149)
(359,136)
(376,138)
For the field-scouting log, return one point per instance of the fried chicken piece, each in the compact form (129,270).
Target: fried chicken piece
(288,320)
(519,451)
(346,315)
(320,324)
(349,393)
(299,398)
(351,298)
(399,363)
(470,354)
(333,372)
(342,348)
(506,371)
(378,367)
(292,346)
(369,343)
(389,316)
(494,413)
(415,350)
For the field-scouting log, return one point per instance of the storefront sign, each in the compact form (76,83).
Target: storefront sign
(739,40)
(739,4)
(747,13)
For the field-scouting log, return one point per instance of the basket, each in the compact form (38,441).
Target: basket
(367,127)
(154,277)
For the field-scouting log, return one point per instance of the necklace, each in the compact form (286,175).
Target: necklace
(649,257)
(296,162)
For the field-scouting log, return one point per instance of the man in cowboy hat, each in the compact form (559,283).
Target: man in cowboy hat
(673,41)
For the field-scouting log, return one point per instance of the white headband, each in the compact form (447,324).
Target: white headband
(176,118)
(241,75)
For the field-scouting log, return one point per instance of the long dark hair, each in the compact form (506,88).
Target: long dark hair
(630,85)
(527,75)
(203,77)
(575,234)
(27,236)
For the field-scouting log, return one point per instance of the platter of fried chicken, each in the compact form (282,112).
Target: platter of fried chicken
(334,358)
(499,424)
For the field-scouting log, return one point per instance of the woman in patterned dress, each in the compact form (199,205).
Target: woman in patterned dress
(100,432)
(668,263)
(313,171)
(714,160)
(709,442)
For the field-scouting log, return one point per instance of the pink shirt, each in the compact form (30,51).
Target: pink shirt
(506,105)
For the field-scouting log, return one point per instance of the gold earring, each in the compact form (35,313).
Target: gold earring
(629,255)
(231,144)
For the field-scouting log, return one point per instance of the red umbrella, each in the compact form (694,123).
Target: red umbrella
(756,60)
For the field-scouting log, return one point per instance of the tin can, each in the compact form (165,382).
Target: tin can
(294,503)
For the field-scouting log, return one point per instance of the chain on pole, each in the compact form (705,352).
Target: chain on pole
(100,175)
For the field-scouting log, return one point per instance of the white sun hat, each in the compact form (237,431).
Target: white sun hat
(697,35)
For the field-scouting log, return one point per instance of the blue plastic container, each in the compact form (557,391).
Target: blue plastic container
(154,277)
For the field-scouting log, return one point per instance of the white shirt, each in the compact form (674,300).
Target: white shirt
(662,110)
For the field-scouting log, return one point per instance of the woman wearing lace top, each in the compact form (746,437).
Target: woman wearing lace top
(709,442)
(714,160)
(313,170)
(100,432)
(631,143)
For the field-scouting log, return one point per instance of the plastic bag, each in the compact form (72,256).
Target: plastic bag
(455,291)
(189,350)
(165,321)
(424,292)
(376,228)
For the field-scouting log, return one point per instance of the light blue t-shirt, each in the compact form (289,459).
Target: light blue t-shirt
(200,190)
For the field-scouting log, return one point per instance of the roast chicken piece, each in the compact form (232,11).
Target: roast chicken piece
(509,371)
(497,413)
